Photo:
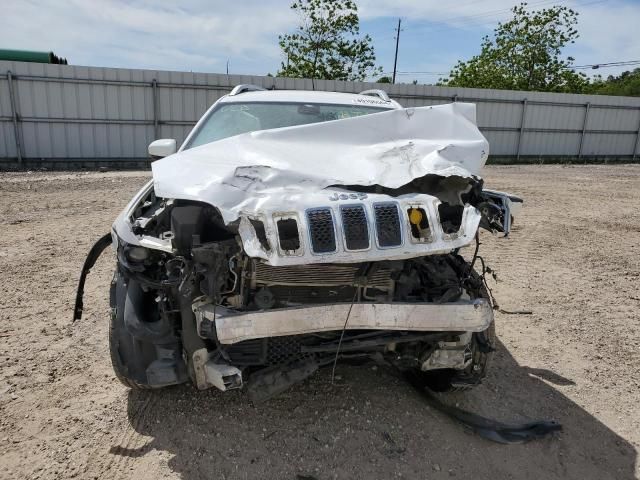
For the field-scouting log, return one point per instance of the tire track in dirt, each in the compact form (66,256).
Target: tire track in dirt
(111,455)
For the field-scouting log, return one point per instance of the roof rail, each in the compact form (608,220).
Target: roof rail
(238,89)
(376,93)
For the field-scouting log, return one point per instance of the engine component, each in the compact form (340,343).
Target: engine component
(325,275)
(214,263)
(186,222)
(264,299)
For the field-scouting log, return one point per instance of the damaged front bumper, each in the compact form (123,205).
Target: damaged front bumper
(231,327)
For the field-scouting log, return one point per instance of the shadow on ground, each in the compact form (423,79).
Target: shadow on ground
(372,425)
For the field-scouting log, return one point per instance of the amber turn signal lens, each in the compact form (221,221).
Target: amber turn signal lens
(415,216)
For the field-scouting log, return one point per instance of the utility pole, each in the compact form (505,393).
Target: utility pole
(227,66)
(395,61)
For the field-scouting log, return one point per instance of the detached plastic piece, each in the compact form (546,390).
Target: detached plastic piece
(95,252)
(490,429)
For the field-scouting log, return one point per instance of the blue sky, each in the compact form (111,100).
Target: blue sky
(201,35)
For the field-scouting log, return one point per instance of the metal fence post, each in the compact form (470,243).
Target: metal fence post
(522,120)
(587,106)
(154,86)
(635,148)
(14,116)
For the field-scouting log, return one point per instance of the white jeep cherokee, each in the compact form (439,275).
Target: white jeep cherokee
(294,229)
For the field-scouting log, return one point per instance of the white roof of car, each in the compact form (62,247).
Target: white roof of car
(307,96)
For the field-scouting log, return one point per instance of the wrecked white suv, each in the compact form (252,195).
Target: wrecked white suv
(294,229)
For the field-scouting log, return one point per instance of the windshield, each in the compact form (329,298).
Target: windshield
(236,118)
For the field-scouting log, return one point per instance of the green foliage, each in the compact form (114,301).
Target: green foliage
(627,84)
(327,44)
(525,54)
(384,80)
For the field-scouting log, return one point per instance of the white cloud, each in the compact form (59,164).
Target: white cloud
(147,34)
(608,33)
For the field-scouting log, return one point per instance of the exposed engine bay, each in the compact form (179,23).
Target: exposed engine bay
(259,274)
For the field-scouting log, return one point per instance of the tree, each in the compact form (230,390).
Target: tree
(384,80)
(327,44)
(525,53)
(627,83)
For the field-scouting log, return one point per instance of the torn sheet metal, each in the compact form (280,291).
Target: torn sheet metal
(389,149)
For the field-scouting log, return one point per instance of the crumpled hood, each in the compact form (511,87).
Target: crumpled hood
(389,149)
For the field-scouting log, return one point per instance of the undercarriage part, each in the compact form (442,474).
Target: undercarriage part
(456,355)
(375,341)
(191,341)
(459,364)
(268,383)
(208,373)
(486,428)
(272,351)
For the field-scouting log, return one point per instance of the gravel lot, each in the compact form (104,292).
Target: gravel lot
(573,259)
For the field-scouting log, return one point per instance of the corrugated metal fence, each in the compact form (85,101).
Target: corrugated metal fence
(59,116)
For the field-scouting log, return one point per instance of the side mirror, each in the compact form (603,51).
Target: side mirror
(162,148)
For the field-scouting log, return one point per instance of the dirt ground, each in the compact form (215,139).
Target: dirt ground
(573,259)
